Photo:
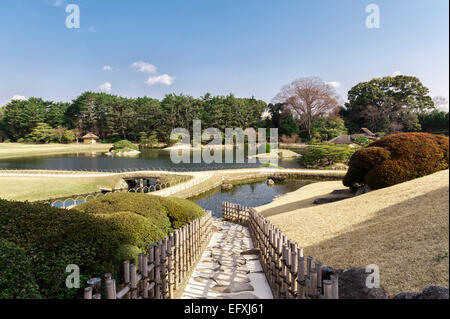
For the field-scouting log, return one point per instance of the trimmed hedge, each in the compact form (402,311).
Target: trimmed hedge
(166,213)
(38,242)
(147,206)
(326,154)
(15,268)
(396,159)
(181,211)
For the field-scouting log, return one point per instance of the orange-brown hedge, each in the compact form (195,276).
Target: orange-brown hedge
(398,158)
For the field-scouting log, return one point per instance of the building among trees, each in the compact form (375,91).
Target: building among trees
(90,138)
(350,139)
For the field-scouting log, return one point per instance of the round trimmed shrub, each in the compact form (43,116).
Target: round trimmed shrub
(148,206)
(398,158)
(133,229)
(181,211)
(53,238)
(42,240)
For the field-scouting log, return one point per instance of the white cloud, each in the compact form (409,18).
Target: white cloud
(396,73)
(145,67)
(105,87)
(334,84)
(18,98)
(107,68)
(54,3)
(160,79)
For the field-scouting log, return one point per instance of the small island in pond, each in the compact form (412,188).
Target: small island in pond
(124,148)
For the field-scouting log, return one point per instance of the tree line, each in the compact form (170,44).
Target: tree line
(114,118)
(306,109)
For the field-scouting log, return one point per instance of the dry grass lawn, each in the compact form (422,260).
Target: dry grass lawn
(12,150)
(403,229)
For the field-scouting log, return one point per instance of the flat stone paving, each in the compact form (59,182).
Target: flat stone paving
(223,272)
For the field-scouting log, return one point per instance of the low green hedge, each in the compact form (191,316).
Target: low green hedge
(181,211)
(326,154)
(38,242)
(148,206)
(16,273)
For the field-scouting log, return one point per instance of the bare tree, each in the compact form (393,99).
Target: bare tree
(308,98)
(441,103)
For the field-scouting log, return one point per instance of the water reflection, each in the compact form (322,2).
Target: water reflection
(250,195)
(149,158)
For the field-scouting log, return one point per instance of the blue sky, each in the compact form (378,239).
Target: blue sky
(247,47)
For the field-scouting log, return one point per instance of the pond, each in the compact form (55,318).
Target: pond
(149,158)
(250,195)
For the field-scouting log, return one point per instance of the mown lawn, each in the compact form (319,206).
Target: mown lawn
(12,150)
(40,187)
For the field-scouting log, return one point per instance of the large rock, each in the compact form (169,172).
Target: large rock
(278,178)
(352,285)
(270,182)
(363,190)
(227,187)
(431,292)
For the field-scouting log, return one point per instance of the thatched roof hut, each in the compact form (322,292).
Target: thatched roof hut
(90,138)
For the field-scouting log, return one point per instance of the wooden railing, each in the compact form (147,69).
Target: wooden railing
(282,259)
(164,271)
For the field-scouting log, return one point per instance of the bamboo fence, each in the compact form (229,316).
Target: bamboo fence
(163,272)
(288,273)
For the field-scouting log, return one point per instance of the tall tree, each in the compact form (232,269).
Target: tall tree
(20,117)
(308,98)
(389,103)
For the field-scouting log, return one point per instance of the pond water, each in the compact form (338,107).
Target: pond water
(149,158)
(250,195)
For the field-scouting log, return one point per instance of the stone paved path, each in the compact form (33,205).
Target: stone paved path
(228,269)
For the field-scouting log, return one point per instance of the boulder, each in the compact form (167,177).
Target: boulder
(352,285)
(362,190)
(431,292)
(227,187)
(278,178)
(270,182)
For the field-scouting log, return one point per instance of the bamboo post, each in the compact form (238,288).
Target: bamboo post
(110,289)
(170,263)
(163,268)
(151,275)
(176,258)
(293,271)
(88,293)
(335,286)
(308,265)
(319,275)
(144,274)
(158,272)
(313,287)
(327,289)
(133,281)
